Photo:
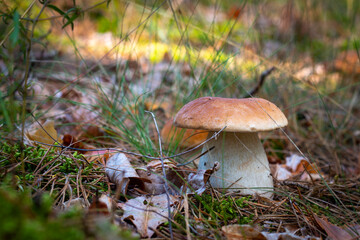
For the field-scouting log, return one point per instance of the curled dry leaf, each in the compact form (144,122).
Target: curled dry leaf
(45,133)
(247,232)
(163,105)
(78,203)
(155,180)
(102,155)
(71,141)
(242,232)
(338,233)
(147,213)
(197,182)
(348,62)
(102,205)
(120,171)
(296,166)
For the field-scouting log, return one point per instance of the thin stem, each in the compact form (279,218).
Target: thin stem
(164,173)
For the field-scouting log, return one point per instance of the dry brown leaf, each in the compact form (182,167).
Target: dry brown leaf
(78,203)
(153,175)
(296,166)
(102,155)
(338,233)
(147,213)
(71,141)
(247,232)
(287,236)
(242,232)
(197,181)
(163,105)
(348,62)
(102,205)
(45,133)
(120,171)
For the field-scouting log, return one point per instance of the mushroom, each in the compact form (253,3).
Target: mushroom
(182,138)
(238,148)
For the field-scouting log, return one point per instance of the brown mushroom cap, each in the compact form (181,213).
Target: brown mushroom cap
(186,137)
(238,115)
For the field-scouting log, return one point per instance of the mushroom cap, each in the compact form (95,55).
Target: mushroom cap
(238,115)
(186,137)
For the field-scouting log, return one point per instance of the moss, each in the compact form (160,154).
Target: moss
(23,217)
(39,160)
(226,210)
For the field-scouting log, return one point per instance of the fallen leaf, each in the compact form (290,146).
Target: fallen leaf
(45,133)
(71,141)
(120,172)
(313,74)
(338,233)
(242,232)
(281,173)
(163,105)
(197,181)
(102,205)
(348,62)
(102,155)
(155,180)
(301,166)
(147,213)
(247,232)
(78,203)
(287,236)
(296,167)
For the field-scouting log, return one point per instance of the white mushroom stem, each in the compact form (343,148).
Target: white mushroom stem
(243,163)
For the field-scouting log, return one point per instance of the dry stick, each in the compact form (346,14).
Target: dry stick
(263,76)
(25,80)
(164,173)
(187,216)
(199,156)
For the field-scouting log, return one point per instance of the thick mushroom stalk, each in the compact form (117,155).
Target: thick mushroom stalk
(244,164)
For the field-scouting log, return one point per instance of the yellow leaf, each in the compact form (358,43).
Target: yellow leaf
(45,134)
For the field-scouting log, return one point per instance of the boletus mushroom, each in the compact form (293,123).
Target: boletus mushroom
(238,149)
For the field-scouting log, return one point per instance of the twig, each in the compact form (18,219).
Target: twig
(26,77)
(164,173)
(187,216)
(263,76)
(202,154)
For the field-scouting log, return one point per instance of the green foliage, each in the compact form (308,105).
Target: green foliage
(69,16)
(23,217)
